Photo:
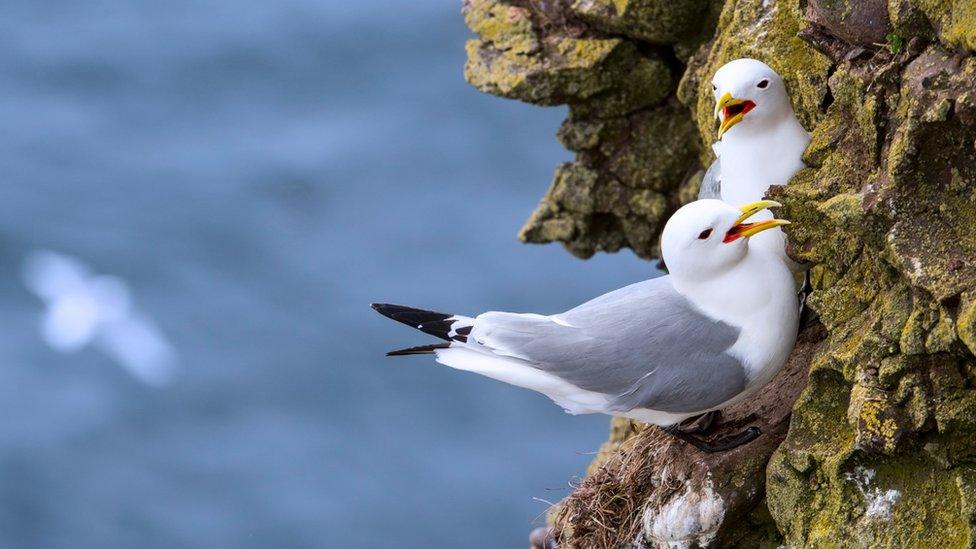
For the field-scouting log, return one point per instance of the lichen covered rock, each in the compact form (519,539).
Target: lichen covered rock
(655,21)
(635,145)
(622,186)
(954,21)
(862,23)
(881,444)
(886,213)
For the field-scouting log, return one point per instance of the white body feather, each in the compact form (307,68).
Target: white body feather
(757,296)
(659,351)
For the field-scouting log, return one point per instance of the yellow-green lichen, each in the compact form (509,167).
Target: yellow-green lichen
(640,145)
(885,213)
(954,21)
(657,21)
(966,322)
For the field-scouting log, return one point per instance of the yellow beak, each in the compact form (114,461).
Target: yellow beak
(726,102)
(741,229)
(721,103)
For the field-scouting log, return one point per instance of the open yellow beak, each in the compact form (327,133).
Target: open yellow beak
(730,111)
(721,103)
(741,229)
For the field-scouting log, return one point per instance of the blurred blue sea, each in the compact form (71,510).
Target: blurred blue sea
(258,172)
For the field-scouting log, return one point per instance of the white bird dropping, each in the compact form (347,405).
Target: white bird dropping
(661,351)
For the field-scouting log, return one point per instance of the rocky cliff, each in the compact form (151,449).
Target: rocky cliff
(871,429)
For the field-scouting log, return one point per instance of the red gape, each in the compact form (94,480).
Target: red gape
(736,231)
(731,110)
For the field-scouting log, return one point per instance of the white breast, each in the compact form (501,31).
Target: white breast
(759,297)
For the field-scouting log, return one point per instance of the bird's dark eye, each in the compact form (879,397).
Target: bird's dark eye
(714,87)
(705,234)
(762,84)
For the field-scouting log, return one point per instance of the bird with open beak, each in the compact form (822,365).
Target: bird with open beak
(709,334)
(761,142)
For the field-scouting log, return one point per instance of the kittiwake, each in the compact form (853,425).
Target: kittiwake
(660,351)
(761,140)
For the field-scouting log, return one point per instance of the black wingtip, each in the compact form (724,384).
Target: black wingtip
(419,350)
(431,322)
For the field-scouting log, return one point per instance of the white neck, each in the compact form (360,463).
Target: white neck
(753,160)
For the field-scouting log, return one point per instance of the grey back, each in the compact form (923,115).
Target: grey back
(711,185)
(645,345)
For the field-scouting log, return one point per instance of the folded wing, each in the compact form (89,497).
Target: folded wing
(711,185)
(645,346)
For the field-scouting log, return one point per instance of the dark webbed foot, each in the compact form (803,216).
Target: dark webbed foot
(722,444)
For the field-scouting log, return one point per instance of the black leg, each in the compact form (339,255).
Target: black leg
(699,424)
(722,444)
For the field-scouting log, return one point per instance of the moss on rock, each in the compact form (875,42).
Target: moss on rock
(656,21)
(883,215)
(954,21)
(882,441)
(636,146)
(620,187)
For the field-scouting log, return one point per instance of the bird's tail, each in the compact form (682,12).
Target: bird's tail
(450,328)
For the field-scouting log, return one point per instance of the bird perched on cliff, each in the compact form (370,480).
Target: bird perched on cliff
(661,351)
(761,143)
(761,140)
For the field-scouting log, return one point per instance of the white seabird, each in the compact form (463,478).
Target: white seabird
(761,140)
(661,351)
(83,309)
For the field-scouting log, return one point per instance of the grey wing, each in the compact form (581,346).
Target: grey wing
(645,346)
(711,185)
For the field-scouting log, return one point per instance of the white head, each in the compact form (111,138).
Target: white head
(706,238)
(749,96)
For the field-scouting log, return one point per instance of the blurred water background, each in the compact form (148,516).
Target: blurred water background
(258,172)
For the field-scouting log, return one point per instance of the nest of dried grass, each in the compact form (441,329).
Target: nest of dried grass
(607,506)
